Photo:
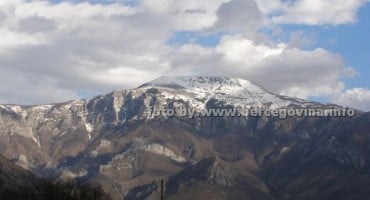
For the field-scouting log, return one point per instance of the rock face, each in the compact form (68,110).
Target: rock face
(113,139)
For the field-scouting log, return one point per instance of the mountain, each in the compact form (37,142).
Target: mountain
(232,91)
(115,140)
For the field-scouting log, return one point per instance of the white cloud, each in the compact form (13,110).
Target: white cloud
(239,15)
(24,88)
(358,98)
(89,48)
(301,39)
(189,15)
(237,49)
(312,12)
(12,38)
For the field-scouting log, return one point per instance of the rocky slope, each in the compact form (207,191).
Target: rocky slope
(112,139)
(12,175)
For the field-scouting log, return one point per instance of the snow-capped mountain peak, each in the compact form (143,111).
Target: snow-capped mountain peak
(230,90)
(191,82)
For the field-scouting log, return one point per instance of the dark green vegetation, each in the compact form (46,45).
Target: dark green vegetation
(44,190)
(17,183)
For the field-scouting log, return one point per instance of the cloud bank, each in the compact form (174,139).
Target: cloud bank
(52,52)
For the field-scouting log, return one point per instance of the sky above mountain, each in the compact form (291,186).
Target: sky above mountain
(53,51)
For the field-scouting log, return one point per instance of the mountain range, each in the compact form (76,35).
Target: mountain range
(111,140)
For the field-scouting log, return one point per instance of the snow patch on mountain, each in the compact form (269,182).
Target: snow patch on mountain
(199,89)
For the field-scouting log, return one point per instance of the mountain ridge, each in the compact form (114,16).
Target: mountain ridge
(108,138)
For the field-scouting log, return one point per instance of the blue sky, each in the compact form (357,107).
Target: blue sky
(350,42)
(55,51)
